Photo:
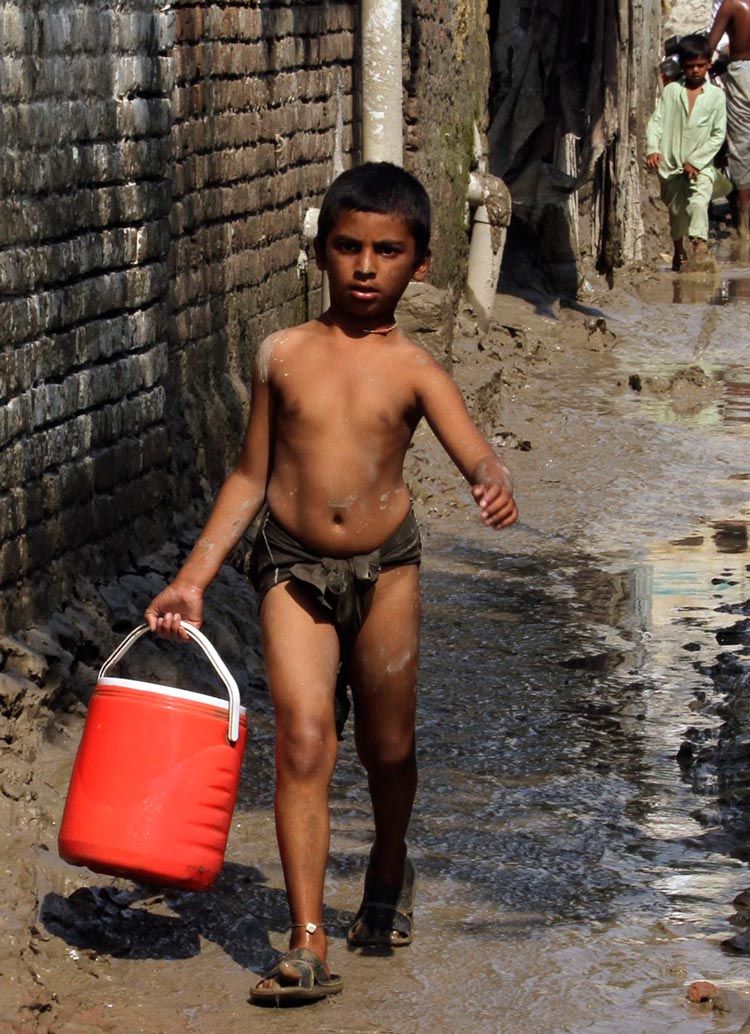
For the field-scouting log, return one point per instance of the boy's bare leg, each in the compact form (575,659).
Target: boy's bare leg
(743,213)
(679,254)
(382,667)
(301,653)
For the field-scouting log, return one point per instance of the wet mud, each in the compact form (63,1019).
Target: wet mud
(581,830)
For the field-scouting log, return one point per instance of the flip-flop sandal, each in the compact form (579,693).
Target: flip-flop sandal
(386,911)
(313,982)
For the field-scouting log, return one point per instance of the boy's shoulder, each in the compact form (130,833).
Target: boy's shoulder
(674,89)
(282,341)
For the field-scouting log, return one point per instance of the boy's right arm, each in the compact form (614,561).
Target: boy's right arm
(236,506)
(653,137)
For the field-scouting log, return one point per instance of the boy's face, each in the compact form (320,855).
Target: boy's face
(695,70)
(369,259)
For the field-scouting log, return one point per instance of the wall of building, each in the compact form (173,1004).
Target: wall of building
(573,84)
(685,16)
(158,160)
(447,64)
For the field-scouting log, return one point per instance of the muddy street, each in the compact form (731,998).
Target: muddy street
(581,831)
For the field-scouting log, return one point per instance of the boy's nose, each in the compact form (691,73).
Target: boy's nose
(366,264)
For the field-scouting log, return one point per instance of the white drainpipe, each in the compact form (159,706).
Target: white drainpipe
(382,102)
(310,232)
(490,199)
(382,82)
(383,140)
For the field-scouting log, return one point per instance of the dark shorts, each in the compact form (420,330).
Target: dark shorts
(338,585)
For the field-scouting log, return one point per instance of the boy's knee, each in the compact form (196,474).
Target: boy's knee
(306,750)
(387,752)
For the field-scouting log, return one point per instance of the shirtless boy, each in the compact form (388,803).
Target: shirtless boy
(334,405)
(733,18)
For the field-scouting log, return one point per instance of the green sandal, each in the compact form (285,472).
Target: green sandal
(314,981)
(388,914)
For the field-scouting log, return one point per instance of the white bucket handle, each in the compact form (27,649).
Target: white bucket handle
(210,651)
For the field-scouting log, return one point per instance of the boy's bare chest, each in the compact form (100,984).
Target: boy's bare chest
(358,394)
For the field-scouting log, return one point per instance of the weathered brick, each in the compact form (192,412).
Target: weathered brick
(39,219)
(71,442)
(16,30)
(50,358)
(129,122)
(27,269)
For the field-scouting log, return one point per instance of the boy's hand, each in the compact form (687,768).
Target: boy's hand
(690,170)
(495,500)
(653,161)
(173,605)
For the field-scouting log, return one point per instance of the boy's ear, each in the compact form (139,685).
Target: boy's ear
(422,268)
(320,259)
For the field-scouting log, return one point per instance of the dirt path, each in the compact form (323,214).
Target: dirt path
(547,747)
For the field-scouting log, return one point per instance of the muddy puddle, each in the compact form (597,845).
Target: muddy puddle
(584,733)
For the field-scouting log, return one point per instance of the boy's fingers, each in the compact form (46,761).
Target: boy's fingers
(503,519)
(487,494)
(495,497)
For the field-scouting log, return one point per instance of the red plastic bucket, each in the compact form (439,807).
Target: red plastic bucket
(155,778)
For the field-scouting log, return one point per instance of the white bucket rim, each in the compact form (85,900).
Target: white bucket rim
(170,691)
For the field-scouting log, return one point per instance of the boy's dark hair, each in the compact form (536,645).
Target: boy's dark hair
(693,47)
(383,188)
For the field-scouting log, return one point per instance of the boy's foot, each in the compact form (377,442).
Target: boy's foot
(298,976)
(701,260)
(679,254)
(743,224)
(386,916)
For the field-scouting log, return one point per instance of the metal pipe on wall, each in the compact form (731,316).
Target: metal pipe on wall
(382,82)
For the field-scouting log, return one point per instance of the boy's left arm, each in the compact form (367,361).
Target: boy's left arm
(445,411)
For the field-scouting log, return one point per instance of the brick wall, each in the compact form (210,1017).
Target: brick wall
(84,282)
(446,80)
(157,161)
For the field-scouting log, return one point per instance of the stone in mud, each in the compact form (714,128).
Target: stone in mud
(18,693)
(120,604)
(425,314)
(742,901)
(738,634)
(689,388)
(731,1002)
(737,945)
(599,334)
(685,753)
(20,658)
(702,991)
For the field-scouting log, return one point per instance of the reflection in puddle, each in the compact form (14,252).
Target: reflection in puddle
(736,401)
(557,801)
(729,284)
(693,575)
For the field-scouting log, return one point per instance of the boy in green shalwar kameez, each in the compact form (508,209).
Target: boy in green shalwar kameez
(683,136)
